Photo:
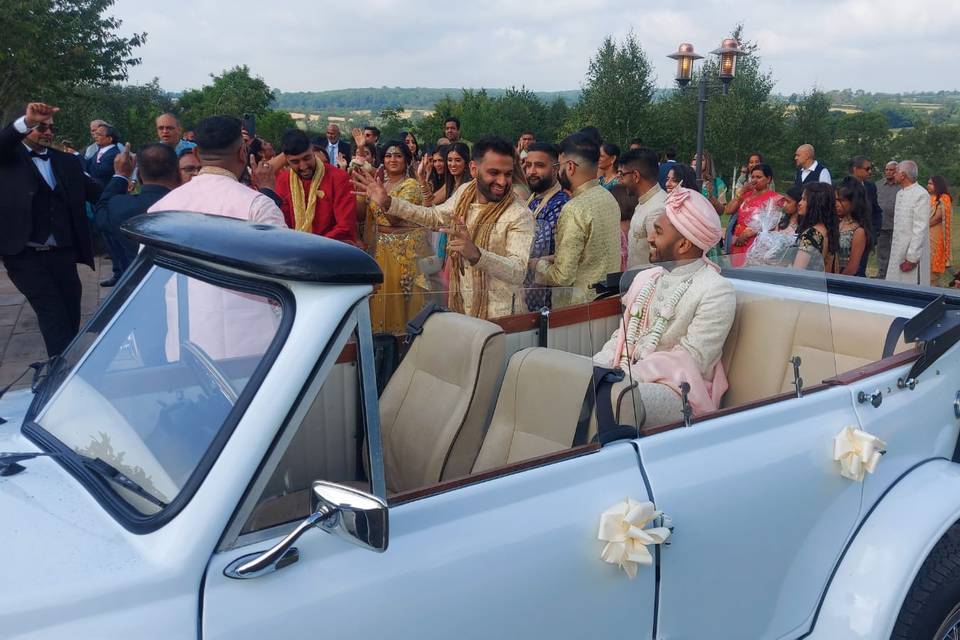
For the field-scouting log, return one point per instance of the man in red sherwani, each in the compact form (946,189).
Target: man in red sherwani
(313,195)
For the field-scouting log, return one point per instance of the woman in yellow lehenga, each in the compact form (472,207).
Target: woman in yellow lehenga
(398,247)
(940,205)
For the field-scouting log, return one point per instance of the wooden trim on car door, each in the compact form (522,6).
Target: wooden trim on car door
(562,317)
(872,369)
(505,470)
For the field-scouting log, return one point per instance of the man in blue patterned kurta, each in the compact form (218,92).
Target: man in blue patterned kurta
(540,167)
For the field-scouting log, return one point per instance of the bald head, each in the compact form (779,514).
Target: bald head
(907,172)
(333,134)
(805,156)
(168,129)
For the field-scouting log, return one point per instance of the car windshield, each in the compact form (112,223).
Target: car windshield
(161,379)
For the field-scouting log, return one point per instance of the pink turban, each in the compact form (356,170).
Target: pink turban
(694,217)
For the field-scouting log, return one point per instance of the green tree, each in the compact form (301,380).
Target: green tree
(617,91)
(272,124)
(234,92)
(50,46)
(864,133)
(812,123)
(131,109)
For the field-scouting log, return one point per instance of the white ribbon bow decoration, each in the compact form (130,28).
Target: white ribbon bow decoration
(622,528)
(857,452)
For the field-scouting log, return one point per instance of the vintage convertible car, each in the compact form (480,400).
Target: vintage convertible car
(165,476)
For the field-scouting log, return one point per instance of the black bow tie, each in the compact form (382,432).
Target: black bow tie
(42,156)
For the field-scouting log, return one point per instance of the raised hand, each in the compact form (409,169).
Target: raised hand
(366,184)
(460,242)
(263,174)
(37,112)
(124,163)
(357,136)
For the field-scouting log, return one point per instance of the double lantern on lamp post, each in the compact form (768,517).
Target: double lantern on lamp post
(729,51)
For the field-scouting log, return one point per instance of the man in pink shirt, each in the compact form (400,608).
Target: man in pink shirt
(217,190)
(224,324)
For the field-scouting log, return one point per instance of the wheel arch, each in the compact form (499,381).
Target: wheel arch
(876,571)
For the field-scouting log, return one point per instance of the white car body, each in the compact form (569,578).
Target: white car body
(769,540)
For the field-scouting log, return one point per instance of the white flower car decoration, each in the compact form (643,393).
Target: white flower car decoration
(622,528)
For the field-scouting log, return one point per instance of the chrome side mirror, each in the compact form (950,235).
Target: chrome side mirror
(350,514)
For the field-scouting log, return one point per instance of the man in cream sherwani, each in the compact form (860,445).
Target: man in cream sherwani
(910,248)
(677,316)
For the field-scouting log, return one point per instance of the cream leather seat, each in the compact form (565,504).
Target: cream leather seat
(435,407)
(767,333)
(540,405)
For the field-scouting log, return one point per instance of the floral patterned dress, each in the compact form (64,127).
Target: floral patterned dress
(405,289)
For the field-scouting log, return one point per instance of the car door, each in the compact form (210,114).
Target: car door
(514,556)
(760,511)
(511,552)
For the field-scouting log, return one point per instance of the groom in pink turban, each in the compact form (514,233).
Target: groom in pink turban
(677,316)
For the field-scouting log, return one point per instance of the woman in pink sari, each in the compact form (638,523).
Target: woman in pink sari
(750,203)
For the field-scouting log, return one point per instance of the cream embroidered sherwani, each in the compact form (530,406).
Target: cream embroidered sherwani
(911,236)
(701,322)
(504,261)
(650,205)
(588,246)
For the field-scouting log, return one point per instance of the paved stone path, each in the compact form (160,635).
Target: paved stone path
(20,340)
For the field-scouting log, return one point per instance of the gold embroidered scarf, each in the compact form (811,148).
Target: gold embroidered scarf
(305,207)
(480,232)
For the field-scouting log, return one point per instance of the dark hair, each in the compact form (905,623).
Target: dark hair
(643,161)
(403,136)
(821,209)
(321,151)
(754,153)
(670,153)
(156,161)
(111,132)
(611,150)
(853,191)
(486,144)
(463,151)
(372,128)
(766,169)
(795,192)
(581,145)
(857,162)
(594,133)
(626,200)
(635,141)
(407,156)
(544,147)
(218,133)
(369,146)
(528,132)
(940,186)
(438,179)
(452,119)
(294,142)
(685,172)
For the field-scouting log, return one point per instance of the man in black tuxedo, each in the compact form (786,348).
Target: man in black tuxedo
(43,225)
(159,173)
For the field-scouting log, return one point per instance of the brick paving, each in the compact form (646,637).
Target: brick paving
(20,340)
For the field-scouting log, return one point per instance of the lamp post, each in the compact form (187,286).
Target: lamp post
(685,56)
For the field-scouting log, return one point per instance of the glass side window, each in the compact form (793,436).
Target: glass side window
(326,445)
(161,380)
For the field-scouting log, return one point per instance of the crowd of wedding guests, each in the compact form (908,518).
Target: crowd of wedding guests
(490,227)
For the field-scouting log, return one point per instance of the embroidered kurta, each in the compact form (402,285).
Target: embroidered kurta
(504,261)
(336,214)
(543,244)
(911,236)
(650,205)
(588,246)
(698,329)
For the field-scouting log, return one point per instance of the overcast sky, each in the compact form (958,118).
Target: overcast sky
(875,45)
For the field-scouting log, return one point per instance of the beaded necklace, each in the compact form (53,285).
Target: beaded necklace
(641,329)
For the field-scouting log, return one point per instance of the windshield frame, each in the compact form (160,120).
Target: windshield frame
(103,492)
